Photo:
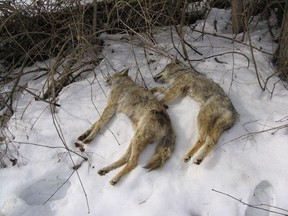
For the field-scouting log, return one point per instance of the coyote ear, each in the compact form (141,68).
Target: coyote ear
(175,61)
(178,61)
(125,72)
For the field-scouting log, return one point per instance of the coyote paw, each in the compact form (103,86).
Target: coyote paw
(198,161)
(114,182)
(102,172)
(187,159)
(82,137)
(80,145)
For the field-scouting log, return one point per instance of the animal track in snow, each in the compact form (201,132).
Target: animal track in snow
(262,194)
(42,190)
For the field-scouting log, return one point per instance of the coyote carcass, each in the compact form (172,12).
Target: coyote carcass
(150,120)
(216,114)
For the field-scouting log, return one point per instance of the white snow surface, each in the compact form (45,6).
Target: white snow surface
(249,161)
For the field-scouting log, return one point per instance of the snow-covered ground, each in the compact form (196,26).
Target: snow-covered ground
(248,163)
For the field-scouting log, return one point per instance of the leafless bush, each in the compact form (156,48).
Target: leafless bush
(44,29)
(36,32)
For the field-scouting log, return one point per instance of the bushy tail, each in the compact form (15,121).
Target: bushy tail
(163,151)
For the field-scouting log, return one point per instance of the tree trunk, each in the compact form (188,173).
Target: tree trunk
(237,16)
(282,52)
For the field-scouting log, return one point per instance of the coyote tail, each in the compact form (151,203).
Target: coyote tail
(163,151)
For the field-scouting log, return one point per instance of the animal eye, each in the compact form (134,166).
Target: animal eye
(108,79)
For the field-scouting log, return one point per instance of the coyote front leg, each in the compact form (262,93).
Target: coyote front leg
(169,94)
(107,114)
(158,89)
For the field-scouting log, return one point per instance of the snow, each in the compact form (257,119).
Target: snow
(246,163)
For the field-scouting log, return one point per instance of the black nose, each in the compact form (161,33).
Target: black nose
(108,80)
(157,77)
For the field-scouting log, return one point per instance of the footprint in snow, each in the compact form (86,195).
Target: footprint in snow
(263,196)
(46,189)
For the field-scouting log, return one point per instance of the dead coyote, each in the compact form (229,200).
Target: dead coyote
(150,120)
(216,114)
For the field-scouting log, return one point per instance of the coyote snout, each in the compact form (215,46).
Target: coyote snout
(149,118)
(163,76)
(157,78)
(216,114)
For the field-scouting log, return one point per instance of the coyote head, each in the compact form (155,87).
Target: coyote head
(116,77)
(168,72)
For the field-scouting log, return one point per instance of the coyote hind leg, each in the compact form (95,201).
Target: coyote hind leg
(200,142)
(123,160)
(211,140)
(138,143)
(203,125)
(220,122)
